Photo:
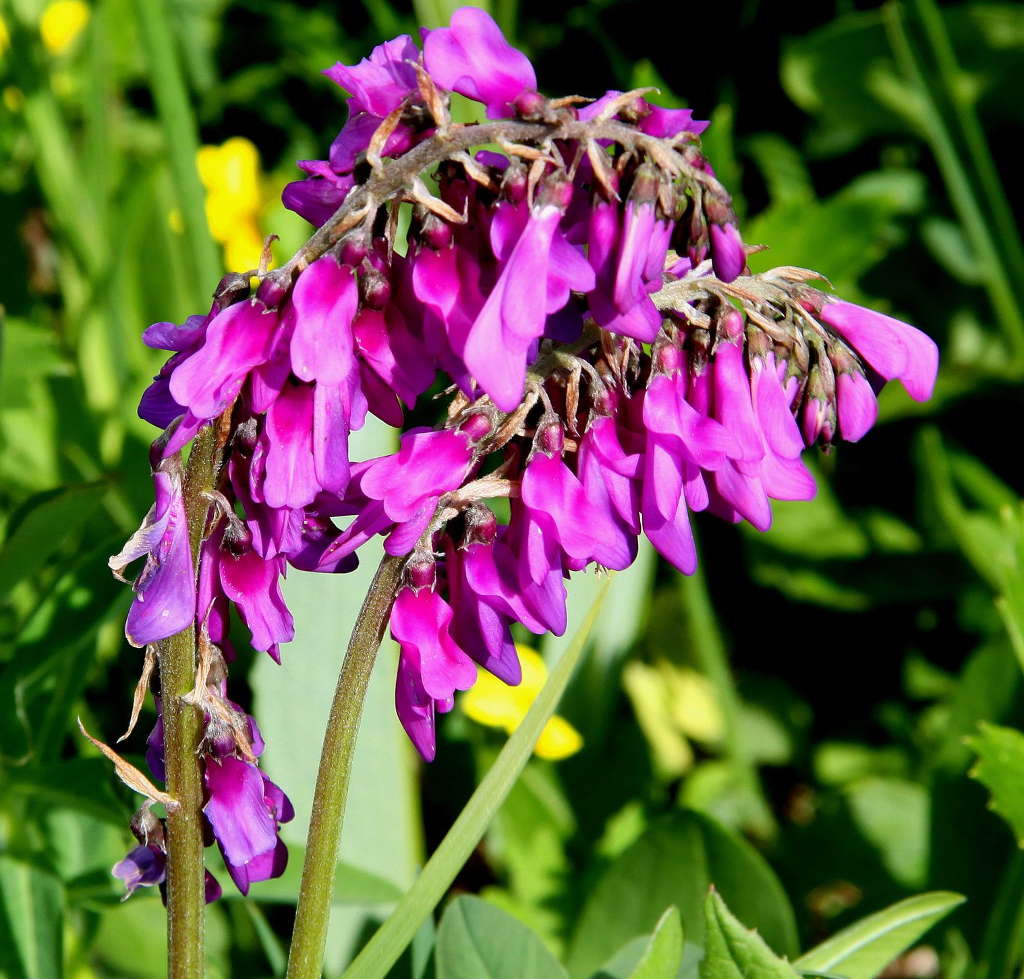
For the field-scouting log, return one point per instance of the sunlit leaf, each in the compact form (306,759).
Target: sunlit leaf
(732,951)
(865,948)
(476,940)
(664,953)
(674,862)
(1000,768)
(31,927)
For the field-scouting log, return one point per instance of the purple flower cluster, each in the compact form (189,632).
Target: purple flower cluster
(608,378)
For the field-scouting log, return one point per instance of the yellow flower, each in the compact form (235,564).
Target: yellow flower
(495,704)
(234,198)
(61,23)
(5,36)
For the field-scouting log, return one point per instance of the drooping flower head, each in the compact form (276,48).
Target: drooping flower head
(579,303)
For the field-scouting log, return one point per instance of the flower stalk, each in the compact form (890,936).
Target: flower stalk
(183,725)
(305,960)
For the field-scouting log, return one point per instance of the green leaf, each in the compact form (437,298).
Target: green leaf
(1000,768)
(865,948)
(734,952)
(893,815)
(664,952)
(31,927)
(476,940)
(673,863)
(845,234)
(436,877)
(40,525)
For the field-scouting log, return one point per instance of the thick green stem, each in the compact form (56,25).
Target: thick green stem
(185,874)
(305,961)
(186,884)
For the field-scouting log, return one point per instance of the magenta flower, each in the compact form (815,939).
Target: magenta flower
(856,405)
(165,590)
(157,406)
(727,252)
(534,282)
(319,195)
(432,665)
(237,340)
(409,483)
(142,867)
(473,58)
(254,585)
(896,350)
(380,82)
(653,120)
(245,809)
(528,289)
(584,526)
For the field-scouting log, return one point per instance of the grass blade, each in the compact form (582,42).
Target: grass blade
(390,940)
(180,136)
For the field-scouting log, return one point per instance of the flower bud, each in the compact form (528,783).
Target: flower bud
(146,827)
(530,105)
(551,439)
(432,230)
(515,182)
(730,326)
(476,427)
(818,416)
(421,571)
(481,524)
(669,359)
(557,190)
(352,249)
(646,183)
(374,287)
(231,288)
(727,252)
(274,287)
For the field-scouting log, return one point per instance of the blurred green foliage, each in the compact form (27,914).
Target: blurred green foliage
(814,724)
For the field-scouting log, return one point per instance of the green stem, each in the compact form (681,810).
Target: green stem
(186,878)
(1004,935)
(1007,230)
(711,658)
(305,960)
(392,938)
(180,135)
(976,225)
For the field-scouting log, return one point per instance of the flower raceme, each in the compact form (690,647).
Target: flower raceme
(612,371)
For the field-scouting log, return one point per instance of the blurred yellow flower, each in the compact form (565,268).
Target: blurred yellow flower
(234,199)
(673,704)
(5,36)
(495,704)
(13,98)
(62,22)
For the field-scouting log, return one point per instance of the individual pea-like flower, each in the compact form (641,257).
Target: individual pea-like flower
(245,809)
(165,589)
(473,58)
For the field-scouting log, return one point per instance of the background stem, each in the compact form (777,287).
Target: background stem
(186,876)
(305,961)
(711,657)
